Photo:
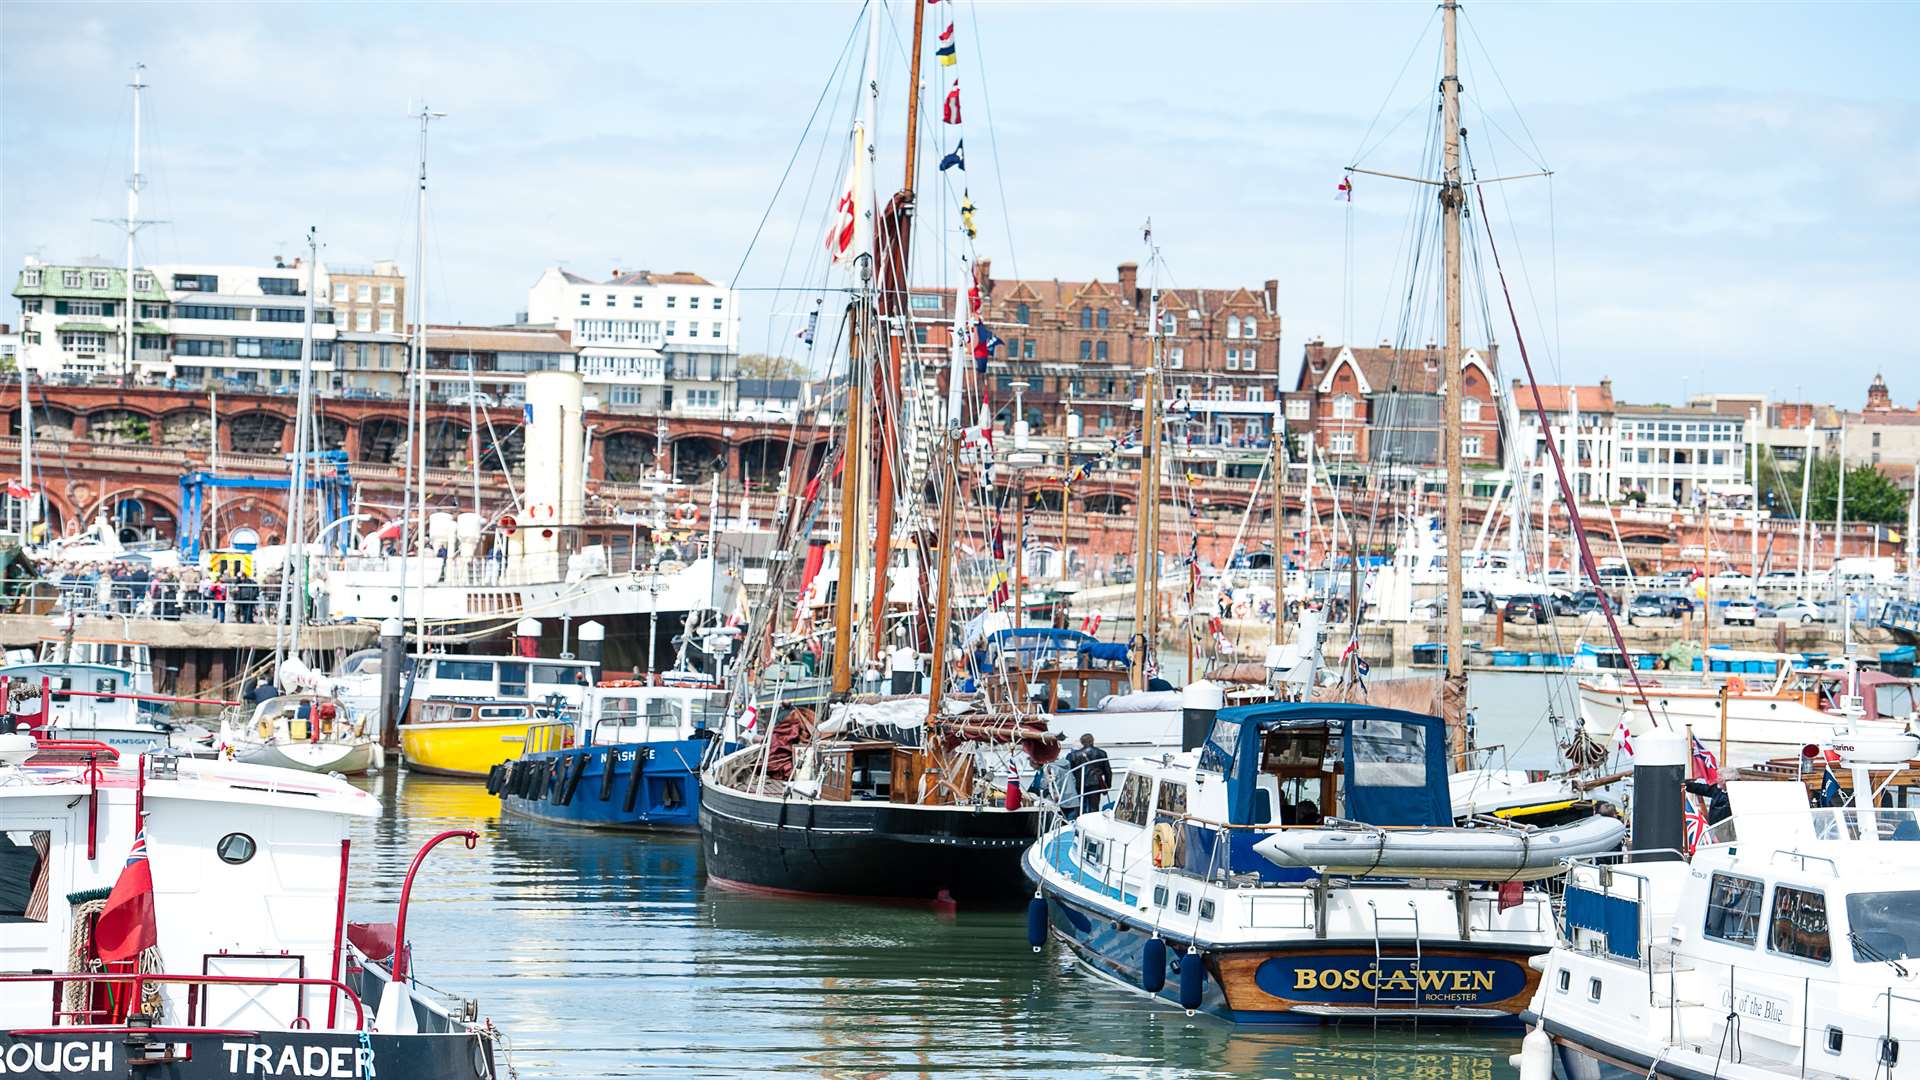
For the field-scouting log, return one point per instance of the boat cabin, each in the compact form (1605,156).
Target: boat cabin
(110,652)
(300,718)
(1048,670)
(72,688)
(502,678)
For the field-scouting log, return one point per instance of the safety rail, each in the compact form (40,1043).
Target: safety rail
(1623,924)
(141,980)
(1762,1000)
(547,737)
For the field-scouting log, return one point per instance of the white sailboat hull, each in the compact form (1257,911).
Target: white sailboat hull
(348,758)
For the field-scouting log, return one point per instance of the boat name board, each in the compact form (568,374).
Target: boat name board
(1755,1006)
(1438,980)
(81,1057)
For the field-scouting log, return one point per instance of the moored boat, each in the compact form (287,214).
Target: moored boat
(150,928)
(1178,890)
(305,731)
(468,712)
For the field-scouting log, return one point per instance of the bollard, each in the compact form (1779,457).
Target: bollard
(393,658)
(593,644)
(1199,703)
(1659,767)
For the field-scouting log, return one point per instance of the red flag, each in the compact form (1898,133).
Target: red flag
(18,490)
(950,111)
(1345,189)
(126,926)
(947,34)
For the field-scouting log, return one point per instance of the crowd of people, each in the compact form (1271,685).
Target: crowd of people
(135,588)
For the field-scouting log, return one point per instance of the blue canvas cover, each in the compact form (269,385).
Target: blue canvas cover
(1394,762)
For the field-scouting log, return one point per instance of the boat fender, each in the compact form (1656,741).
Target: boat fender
(633,784)
(493,779)
(1536,1055)
(549,780)
(1193,977)
(1163,844)
(1153,965)
(1037,923)
(573,779)
(606,774)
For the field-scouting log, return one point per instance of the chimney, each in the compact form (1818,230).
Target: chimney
(984,276)
(1130,282)
(1273,296)
(1606,388)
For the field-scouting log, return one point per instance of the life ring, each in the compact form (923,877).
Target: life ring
(686,514)
(1736,685)
(508,524)
(1241,608)
(1164,840)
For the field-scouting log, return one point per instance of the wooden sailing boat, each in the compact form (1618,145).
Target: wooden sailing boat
(888,797)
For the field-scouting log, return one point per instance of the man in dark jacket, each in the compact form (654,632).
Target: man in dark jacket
(1091,774)
(1718,809)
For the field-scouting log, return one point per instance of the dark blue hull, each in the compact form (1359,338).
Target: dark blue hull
(646,787)
(1280,983)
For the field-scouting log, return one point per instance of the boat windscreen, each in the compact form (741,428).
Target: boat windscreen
(1884,925)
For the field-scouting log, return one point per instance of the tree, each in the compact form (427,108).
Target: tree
(765,366)
(1871,497)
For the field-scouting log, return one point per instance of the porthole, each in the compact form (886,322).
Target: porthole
(1182,903)
(1206,909)
(1593,989)
(1835,1040)
(1159,896)
(1566,979)
(235,848)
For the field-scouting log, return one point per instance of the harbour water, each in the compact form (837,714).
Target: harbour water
(604,955)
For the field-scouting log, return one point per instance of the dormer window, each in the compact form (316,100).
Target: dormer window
(70,279)
(30,278)
(98,279)
(143,282)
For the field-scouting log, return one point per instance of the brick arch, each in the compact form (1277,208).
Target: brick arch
(695,456)
(53,422)
(119,425)
(1108,502)
(447,444)
(186,429)
(151,508)
(256,431)
(762,457)
(628,454)
(383,439)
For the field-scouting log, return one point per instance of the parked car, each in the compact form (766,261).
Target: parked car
(477,397)
(1801,611)
(1584,602)
(1742,612)
(1470,600)
(1533,609)
(1658,606)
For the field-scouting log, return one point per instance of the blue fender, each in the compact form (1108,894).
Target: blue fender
(1193,979)
(1153,965)
(1037,922)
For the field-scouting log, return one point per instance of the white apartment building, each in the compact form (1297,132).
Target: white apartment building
(1680,456)
(1582,422)
(244,325)
(73,321)
(663,343)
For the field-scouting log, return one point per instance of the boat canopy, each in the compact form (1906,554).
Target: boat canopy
(1037,646)
(1394,762)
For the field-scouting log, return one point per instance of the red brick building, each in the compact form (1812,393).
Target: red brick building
(1373,406)
(1085,343)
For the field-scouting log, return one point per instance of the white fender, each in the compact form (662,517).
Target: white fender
(1535,1058)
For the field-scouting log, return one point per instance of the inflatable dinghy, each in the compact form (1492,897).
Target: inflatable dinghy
(1471,853)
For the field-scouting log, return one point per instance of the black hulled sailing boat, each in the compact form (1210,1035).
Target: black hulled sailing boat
(901,797)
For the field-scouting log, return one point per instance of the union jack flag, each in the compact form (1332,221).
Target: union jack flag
(139,852)
(1696,826)
(1705,765)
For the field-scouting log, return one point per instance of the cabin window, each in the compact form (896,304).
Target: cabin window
(620,712)
(1389,753)
(1593,989)
(1221,744)
(663,713)
(1206,909)
(1092,852)
(1835,1040)
(1800,924)
(1066,696)
(556,675)
(464,670)
(1134,797)
(1172,799)
(1183,903)
(24,868)
(1159,896)
(235,848)
(1566,979)
(1884,925)
(513,680)
(1733,909)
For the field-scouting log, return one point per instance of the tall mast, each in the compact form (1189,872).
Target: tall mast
(26,457)
(892,242)
(1452,198)
(1839,499)
(1279,524)
(133,222)
(943,603)
(293,575)
(417,392)
(1143,541)
(863,327)
(213,468)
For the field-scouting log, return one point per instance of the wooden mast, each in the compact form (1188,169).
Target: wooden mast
(943,603)
(1279,533)
(896,316)
(1452,200)
(1143,541)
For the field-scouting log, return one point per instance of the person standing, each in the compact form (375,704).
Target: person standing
(1092,773)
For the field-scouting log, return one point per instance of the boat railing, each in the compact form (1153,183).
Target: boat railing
(67,1019)
(1609,902)
(1759,996)
(1868,824)
(550,736)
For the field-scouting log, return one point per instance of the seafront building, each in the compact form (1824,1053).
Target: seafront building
(653,342)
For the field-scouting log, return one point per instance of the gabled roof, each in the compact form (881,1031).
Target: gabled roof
(1557,396)
(497,339)
(638,277)
(1387,369)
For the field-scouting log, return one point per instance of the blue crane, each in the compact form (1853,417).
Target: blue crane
(328,475)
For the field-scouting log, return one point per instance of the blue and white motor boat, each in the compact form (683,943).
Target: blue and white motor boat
(628,758)
(1191,887)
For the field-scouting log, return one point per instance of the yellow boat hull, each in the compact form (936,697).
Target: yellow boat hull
(462,748)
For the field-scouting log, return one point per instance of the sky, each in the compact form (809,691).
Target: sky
(1734,202)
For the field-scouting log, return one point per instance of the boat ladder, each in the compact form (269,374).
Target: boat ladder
(1389,959)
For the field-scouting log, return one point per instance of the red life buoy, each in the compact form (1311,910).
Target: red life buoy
(686,514)
(508,524)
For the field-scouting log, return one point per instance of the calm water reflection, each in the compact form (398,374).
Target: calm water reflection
(608,956)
